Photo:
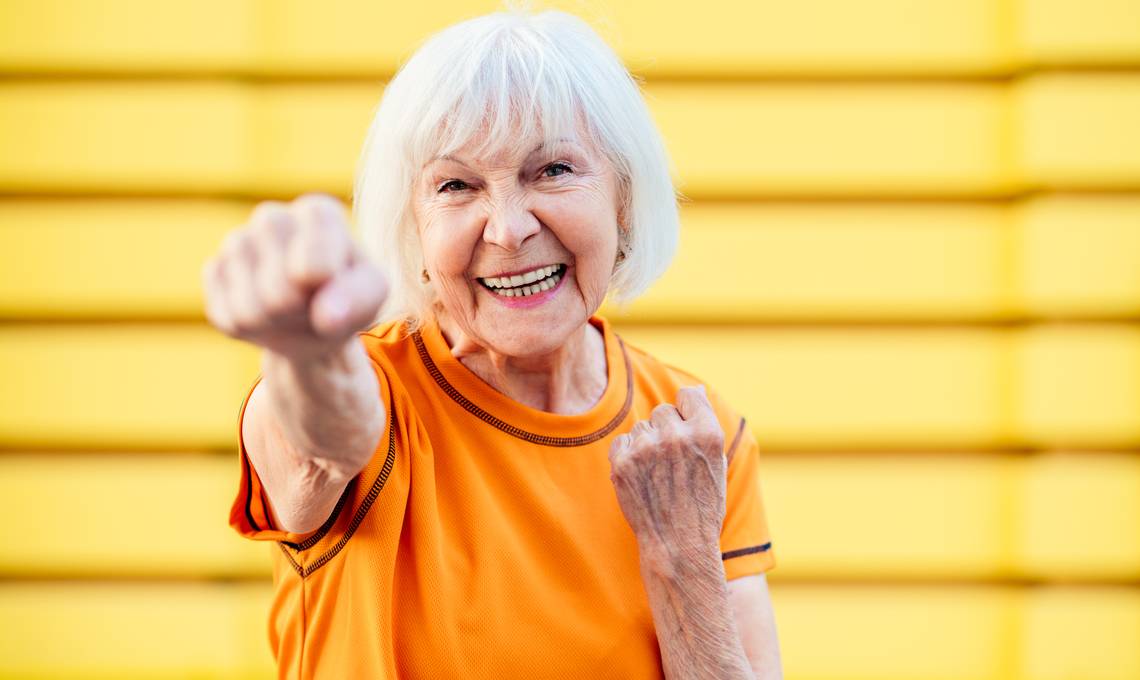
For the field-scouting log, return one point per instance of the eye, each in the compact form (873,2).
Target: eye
(458,185)
(556,166)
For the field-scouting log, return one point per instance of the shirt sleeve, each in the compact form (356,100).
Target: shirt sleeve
(249,514)
(745,542)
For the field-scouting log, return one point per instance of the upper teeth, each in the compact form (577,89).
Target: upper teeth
(520,279)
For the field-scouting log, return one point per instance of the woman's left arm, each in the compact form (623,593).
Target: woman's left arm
(709,628)
(756,623)
(669,475)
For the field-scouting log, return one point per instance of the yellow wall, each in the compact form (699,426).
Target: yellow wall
(914,231)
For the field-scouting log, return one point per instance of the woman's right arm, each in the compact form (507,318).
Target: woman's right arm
(292,282)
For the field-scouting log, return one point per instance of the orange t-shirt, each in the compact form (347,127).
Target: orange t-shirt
(484,538)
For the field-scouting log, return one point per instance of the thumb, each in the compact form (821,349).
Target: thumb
(350,301)
(693,403)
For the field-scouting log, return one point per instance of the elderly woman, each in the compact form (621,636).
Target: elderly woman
(466,471)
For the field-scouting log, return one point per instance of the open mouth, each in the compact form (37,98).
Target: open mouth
(526,283)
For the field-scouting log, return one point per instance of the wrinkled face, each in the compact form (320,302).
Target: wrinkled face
(521,243)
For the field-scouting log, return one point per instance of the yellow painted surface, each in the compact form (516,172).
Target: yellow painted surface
(851,388)
(741,262)
(1080,255)
(967,518)
(969,168)
(127,35)
(353,38)
(1081,385)
(1081,516)
(1068,33)
(1078,130)
(987,632)
(1087,632)
(92,258)
(139,386)
(727,139)
(123,136)
(124,515)
(134,631)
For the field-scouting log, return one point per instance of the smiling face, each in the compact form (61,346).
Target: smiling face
(520,243)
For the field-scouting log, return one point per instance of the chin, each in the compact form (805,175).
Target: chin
(533,338)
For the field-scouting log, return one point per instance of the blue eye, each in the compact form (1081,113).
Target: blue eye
(461,185)
(554,166)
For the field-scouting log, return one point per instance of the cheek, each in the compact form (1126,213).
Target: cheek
(448,243)
(592,239)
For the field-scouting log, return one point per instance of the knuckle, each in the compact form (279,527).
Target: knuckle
(317,200)
(234,243)
(268,213)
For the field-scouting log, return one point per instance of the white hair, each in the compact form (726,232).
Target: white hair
(545,73)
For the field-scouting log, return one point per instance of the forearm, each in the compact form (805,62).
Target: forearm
(692,614)
(327,408)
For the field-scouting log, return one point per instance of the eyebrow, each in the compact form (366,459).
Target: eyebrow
(448,157)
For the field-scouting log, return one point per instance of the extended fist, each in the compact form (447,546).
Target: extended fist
(292,280)
(669,473)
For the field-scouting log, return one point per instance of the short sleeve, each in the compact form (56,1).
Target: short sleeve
(249,514)
(745,542)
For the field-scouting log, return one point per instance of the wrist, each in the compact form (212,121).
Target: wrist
(675,562)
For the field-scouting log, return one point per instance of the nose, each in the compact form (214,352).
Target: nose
(510,223)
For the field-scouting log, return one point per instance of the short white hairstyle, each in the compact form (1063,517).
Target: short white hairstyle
(501,75)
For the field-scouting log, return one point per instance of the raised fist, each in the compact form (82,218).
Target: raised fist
(292,280)
(670,476)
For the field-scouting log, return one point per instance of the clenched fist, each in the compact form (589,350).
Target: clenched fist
(292,280)
(669,473)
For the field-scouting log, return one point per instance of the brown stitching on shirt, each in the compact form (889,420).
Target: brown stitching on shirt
(735,440)
(377,485)
(746,551)
(545,440)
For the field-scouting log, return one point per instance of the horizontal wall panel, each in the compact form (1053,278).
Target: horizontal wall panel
(175,386)
(740,262)
(726,37)
(1088,632)
(1080,385)
(1079,130)
(850,387)
(726,139)
(1061,385)
(1049,516)
(121,385)
(1070,33)
(134,631)
(893,517)
(1063,255)
(1081,516)
(309,140)
(93,136)
(97,631)
(91,515)
(927,139)
(44,36)
(107,258)
(1079,255)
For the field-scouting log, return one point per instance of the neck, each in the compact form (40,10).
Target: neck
(569,380)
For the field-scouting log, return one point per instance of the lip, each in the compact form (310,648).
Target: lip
(531,300)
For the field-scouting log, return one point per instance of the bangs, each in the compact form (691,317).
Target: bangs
(505,90)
